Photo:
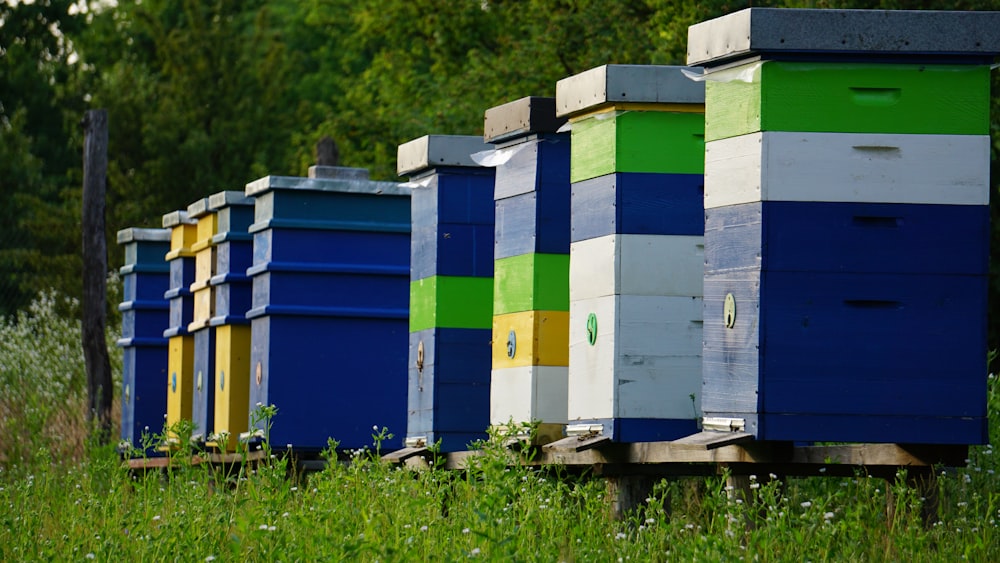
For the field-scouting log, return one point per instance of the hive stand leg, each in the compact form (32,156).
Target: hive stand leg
(924,483)
(628,492)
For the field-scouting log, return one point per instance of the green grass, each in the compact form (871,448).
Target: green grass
(60,507)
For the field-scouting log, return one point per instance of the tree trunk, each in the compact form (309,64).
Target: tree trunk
(100,392)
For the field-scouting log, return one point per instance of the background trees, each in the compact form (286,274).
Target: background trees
(205,95)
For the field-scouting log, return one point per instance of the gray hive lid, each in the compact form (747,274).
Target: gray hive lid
(886,33)
(135,234)
(626,84)
(228,198)
(430,151)
(338,172)
(521,117)
(199,208)
(269,183)
(179,217)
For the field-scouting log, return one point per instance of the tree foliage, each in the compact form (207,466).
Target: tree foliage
(205,95)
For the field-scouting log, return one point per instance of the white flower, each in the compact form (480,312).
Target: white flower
(620,536)
(262,527)
(475,551)
(827,515)
(271,528)
(375,427)
(155,518)
(806,504)
(465,530)
(423,528)
(91,556)
(285,515)
(210,558)
(650,521)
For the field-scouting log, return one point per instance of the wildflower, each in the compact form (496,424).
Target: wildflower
(271,528)
(293,489)
(827,515)
(91,556)
(465,530)
(620,536)
(284,515)
(423,528)
(210,558)
(963,504)
(475,551)
(806,504)
(262,526)
(650,521)
(772,475)
(155,518)
(822,470)
(754,485)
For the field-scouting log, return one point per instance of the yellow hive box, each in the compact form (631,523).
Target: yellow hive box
(232,381)
(204,307)
(180,368)
(183,235)
(531,338)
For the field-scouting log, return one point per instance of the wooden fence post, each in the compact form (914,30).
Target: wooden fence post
(95,271)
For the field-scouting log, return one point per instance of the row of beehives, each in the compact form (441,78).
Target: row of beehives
(792,242)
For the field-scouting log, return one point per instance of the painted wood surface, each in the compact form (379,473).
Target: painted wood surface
(315,209)
(525,394)
(840,167)
(330,378)
(531,282)
(538,164)
(203,385)
(452,249)
(637,141)
(639,204)
(636,265)
(144,319)
(848,237)
(145,255)
(915,348)
(204,307)
(181,276)
(180,366)
(454,195)
(204,267)
(232,257)
(181,315)
(535,222)
(875,428)
(183,235)
(451,302)
(644,362)
(326,246)
(448,386)
(232,301)
(145,286)
(531,338)
(144,404)
(849,97)
(232,382)
(318,285)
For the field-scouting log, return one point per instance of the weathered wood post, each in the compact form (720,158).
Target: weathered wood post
(95,270)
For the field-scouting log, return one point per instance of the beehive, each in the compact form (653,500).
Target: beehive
(451,290)
(145,277)
(846,235)
(531,268)
(203,294)
(637,251)
(329,308)
(231,288)
(180,364)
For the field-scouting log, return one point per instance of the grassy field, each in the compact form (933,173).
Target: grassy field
(64,500)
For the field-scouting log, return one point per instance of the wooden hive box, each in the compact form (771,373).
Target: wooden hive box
(451,291)
(637,252)
(145,277)
(847,223)
(180,352)
(329,308)
(531,272)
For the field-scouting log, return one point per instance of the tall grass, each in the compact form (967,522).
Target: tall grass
(92,508)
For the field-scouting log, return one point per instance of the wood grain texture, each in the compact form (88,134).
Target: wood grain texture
(636,265)
(326,246)
(848,237)
(533,222)
(730,356)
(452,249)
(232,384)
(451,302)
(323,210)
(541,339)
(531,282)
(143,400)
(645,363)
(203,385)
(318,285)
(846,167)
(636,141)
(851,98)
(525,394)
(637,203)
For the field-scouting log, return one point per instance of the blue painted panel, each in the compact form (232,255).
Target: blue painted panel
(144,286)
(452,392)
(638,203)
(144,370)
(323,210)
(533,222)
(452,249)
(181,313)
(634,430)
(848,237)
(874,344)
(147,254)
(234,222)
(203,404)
(181,275)
(233,257)
(730,357)
(299,245)
(144,319)
(455,195)
(232,301)
(315,285)
(330,378)
(875,429)
(537,166)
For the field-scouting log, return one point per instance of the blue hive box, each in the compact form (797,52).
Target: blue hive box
(452,246)
(145,277)
(329,316)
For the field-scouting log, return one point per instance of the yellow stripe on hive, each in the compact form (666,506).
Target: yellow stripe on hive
(531,338)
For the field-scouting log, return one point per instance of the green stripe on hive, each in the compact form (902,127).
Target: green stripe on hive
(850,98)
(531,282)
(638,141)
(451,302)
